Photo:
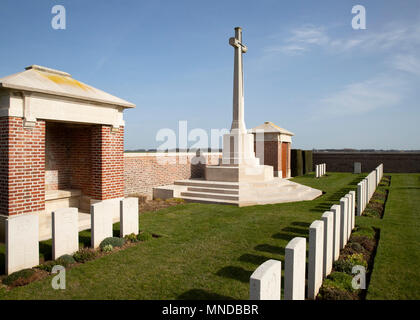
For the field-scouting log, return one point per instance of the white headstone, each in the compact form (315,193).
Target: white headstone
(336,210)
(353,208)
(343,221)
(22,242)
(359,199)
(65,231)
(349,222)
(129,216)
(294,269)
(101,221)
(328,219)
(317,171)
(265,282)
(316,259)
(357,167)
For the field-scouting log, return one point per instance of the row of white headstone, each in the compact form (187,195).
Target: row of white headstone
(326,237)
(320,170)
(22,239)
(366,188)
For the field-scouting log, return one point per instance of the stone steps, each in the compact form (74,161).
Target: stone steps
(208,195)
(207,184)
(210,201)
(214,190)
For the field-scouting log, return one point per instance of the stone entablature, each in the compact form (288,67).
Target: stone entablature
(48,94)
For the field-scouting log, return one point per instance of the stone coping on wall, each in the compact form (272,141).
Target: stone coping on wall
(169,154)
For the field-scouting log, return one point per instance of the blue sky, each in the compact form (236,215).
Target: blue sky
(306,69)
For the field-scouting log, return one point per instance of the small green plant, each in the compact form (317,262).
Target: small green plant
(18,275)
(84,255)
(144,236)
(346,264)
(363,231)
(107,248)
(66,260)
(47,266)
(131,237)
(113,241)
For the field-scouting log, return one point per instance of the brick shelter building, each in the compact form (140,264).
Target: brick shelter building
(272,146)
(61,144)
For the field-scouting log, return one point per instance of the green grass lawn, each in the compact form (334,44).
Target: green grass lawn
(209,251)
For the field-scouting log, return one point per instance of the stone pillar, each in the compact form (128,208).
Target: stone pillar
(336,209)
(294,271)
(315,265)
(107,162)
(328,220)
(265,282)
(22,166)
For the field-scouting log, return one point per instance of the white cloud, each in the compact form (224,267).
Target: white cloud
(358,98)
(392,36)
(407,63)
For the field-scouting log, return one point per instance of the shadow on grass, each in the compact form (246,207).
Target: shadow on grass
(253,258)
(269,248)
(45,250)
(200,294)
(283,236)
(296,231)
(301,224)
(236,273)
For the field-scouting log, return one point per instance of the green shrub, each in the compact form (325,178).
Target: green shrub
(296,162)
(113,241)
(333,293)
(66,260)
(131,237)
(144,236)
(357,247)
(346,264)
(15,276)
(107,248)
(339,280)
(84,255)
(307,161)
(47,266)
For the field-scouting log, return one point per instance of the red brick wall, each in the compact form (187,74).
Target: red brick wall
(107,173)
(272,154)
(68,157)
(143,172)
(22,166)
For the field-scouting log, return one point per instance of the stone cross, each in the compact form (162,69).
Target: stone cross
(238,123)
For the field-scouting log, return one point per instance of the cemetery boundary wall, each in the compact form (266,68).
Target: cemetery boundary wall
(144,171)
(395,162)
